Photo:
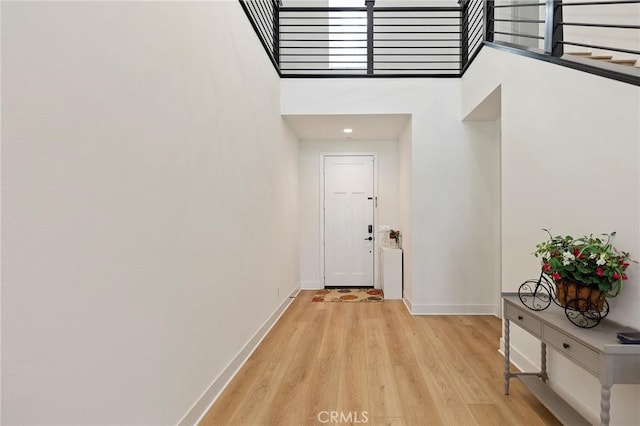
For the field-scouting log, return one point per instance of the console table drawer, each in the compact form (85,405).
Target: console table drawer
(523,319)
(571,348)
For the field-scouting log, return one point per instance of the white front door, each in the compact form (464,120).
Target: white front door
(348,220)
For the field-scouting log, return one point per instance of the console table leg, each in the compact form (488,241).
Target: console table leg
(506,357)
(543,362)
(605,404)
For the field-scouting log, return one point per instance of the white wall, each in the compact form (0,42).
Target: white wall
(149,206)
(404,201)
(570,162)
(453,265)
(388,212)
(484,137)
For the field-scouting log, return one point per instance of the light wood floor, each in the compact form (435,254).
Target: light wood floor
(378,359)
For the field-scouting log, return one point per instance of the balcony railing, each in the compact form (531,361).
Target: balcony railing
(368,41)
(601,37)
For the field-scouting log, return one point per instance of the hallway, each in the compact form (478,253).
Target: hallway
(161,201)
(379,365)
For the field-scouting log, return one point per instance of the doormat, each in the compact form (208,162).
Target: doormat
(348,295)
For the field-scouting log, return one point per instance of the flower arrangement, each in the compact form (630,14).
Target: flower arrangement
(590,261)
(395,235)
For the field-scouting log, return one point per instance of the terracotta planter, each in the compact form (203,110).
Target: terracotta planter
(576,296)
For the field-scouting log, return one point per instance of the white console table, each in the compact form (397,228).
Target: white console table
(596,350)
(391,272)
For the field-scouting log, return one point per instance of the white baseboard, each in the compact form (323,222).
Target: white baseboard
(447,309)
(311,285)
(453,309)
(586,411)
(518,359)
(204,403)
(523,363)
(407,301)
(498,310)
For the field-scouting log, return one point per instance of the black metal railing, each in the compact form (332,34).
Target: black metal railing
(422,41)
(368,41)
(520,23)
(472,17)
(600,37)
(603,34)
(323,40)
(429,41)
(265,20)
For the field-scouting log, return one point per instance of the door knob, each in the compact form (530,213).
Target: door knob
(368,239)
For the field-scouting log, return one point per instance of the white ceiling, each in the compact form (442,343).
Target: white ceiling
(365,127)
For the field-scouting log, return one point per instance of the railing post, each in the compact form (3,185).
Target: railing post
(464,33)
(488,20)
(370,4)
(553,33)
(276,31)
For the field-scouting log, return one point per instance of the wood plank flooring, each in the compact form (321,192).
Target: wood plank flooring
(375,362)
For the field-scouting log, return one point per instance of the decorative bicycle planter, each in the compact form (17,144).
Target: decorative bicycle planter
(582,306)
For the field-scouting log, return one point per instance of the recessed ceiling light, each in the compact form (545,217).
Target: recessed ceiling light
(348,130)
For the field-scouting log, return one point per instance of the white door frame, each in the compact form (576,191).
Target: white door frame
(376,281)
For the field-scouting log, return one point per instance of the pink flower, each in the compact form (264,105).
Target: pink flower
(600,272)
(546,267)
(555,276)
(624,277)
(615,276)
